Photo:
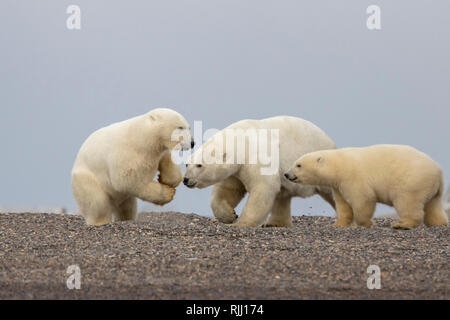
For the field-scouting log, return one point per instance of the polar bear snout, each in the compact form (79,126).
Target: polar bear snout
(290,177)
(188,183)
(186,145)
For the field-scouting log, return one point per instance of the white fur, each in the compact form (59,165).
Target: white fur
(395,175)
(267,193)
(118,163)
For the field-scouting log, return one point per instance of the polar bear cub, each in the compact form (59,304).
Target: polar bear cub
(243,170)
(395,175)
(118,163)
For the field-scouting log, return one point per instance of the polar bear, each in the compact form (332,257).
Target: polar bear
(117,164)
(234,169)
(395,175)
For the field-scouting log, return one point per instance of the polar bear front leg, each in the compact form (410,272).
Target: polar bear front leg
(259,203)
(133,184)
(169,172)
(281,213)
(344,213)
(363,212)
(225,196)
(156,193)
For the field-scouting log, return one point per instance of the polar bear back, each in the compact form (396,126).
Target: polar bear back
(297,136)
(105,141)
(389,169)
(390,161)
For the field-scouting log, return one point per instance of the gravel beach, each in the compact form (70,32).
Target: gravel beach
(185,256)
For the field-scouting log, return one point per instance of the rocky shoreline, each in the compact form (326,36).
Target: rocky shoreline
(186,256)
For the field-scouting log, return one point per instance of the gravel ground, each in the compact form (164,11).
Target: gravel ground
(186,256)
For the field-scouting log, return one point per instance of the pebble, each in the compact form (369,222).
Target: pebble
(171,255)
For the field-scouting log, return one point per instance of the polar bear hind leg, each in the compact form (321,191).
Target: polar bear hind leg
(411,212)
(127,210)
(434,213)
(226,195)
(94,204)
(281,212)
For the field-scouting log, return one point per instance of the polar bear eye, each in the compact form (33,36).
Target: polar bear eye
(199,166)
(299,166)
(181,128)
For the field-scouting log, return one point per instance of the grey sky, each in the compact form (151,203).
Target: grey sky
(219,62)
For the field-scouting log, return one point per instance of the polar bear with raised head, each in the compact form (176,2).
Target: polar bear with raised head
(395,175)
(237,168)
(118,163)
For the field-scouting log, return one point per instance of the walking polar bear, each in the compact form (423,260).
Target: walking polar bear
(395,175)
(117,164)
(269,191)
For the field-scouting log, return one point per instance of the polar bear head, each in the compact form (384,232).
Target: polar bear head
(315,168)
(208,166)
(172,129)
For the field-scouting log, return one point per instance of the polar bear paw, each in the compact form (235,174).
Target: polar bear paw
(277,225)
(167,194)
(341,224)
(226,217)
(404,225)
(171,181)
(223,212)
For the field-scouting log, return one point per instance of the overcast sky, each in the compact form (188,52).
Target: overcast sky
(218,62)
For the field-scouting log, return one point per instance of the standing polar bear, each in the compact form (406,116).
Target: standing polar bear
(214,163)
(395,175)
(117,164)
